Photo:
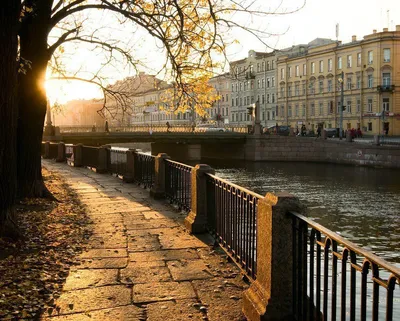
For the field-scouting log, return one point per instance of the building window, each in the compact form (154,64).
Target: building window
(321,66)
(273,115)
(241,101)
(268,83)
(273,64)
(276,111)
(370,57)
(339,104)
(386,55)
(370,81)
(312,89)
(358,105)
(304,111)
(304,69)
(273,98)
(312,67)
(358,82)
(233,103)
(348,83)
(282,92)
(386,79)
(304,89)
(268,65)
(296,110)
(262,83)
(359,59)
(385,104)
(370,105)
(262,66)
(258,83)
(312,111)
(289,91)
(267,98)
(348,106)
(370,127)
(330,64)
(329,85)
(272,81)
(296,89)
(289,111)
(297,71)
(339,62)
(321,86)
(282,111)
(290,72)
(321,108)
(258,67)
(349,61)
(282,73)
(330,111)
(263,99)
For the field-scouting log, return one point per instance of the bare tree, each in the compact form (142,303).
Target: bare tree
(9,14)
(191,33)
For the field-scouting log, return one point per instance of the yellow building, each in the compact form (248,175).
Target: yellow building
(310,78)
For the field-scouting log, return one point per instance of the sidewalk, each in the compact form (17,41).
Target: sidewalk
(140,263)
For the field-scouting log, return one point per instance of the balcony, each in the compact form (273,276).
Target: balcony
(250,75)
(386,88)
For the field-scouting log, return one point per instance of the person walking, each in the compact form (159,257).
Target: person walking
(106,127)
(319,131)
(168,127)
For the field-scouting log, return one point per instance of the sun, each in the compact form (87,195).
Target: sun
(62,91)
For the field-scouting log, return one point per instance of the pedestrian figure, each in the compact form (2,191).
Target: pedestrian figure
(297,130)
(168,126)
(94,128)
(319,131)
(106,127)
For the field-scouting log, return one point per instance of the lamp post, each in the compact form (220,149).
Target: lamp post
(341,81)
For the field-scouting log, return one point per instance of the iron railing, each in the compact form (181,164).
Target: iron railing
(325,288)
(90,156)
(118,160)
(144,169)
(232,216)
(178,184)
(53,150)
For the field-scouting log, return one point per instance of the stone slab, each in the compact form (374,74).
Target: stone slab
(167,255)
(186,270)
(103,253)
(124,313)
(145,273)
(103,263)
(177,238)
(92,299)
(81,279)
(149,224)
(143,242)
(151,292)
(179,310)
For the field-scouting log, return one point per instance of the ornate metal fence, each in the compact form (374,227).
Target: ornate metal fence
(232,216)
(358,287)
(90,156)
(178,184)
(118,160)
(144,166)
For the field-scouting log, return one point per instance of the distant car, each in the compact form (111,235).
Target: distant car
(331,132)
(203,128)
(282,130)
(215,129)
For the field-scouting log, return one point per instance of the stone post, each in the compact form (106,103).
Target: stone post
(377,141)
(324,136)
(60,153)
(270,297)
(78,161)
(196,221)
(349,138)
(129,175)
(104,154)
(46,150)
(158,190)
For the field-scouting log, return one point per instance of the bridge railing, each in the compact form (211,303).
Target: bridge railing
(90,155)
(334,277)
(298,269)
(178,184)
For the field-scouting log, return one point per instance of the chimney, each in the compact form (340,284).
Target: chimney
(385,29)
(353,38)
(374,31)
(397,27)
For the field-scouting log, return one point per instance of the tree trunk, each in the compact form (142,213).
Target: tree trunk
(32,101)
(9,12)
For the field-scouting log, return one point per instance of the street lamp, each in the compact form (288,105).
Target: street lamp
(341,82)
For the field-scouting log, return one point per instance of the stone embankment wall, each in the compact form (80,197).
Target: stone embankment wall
(281,148)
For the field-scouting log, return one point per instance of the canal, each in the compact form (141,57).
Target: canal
(361,204)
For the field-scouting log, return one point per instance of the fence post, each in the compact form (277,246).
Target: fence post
(196,221)
(78,155)
(270,297)
(158,190)
(60,152)
(129,175)
(46,150)
(104,153)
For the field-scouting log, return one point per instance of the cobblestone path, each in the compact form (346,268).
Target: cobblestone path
(140,263)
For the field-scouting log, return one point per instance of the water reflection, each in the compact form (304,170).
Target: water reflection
(362,204)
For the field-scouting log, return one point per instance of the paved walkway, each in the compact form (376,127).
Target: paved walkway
(140,263)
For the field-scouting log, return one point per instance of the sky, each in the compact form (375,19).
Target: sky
(317,19)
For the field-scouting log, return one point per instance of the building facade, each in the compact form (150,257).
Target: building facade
(310,81)
(253,79)
(221,109)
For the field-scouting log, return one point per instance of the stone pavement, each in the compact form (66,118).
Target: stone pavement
(140,263)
